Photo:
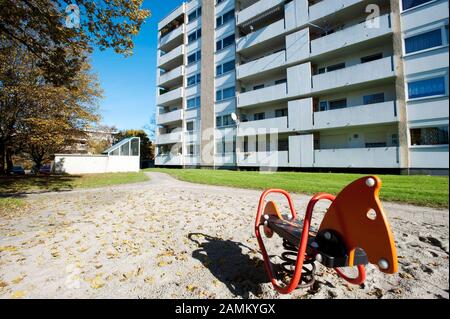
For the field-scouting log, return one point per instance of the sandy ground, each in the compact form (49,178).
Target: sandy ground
(170,239)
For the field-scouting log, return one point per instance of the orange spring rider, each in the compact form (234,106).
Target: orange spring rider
(354,232)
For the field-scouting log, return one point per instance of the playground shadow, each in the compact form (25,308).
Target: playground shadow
(229,264)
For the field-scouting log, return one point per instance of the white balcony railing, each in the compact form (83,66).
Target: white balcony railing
(256,9)
(267,126)
(172,16)
(170,97)
(170,56)
(175,34)
(358,33)
(377,157)
(329,7)
(170,117)
(262,65)
(263,159)
(171,76)
(170,138)
(360,73)
(224,159)
(262,96)
(378,113)
(191,160)
(169,159)
(275,29)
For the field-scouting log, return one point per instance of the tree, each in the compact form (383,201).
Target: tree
(36,116)
(147,147)
(59,34)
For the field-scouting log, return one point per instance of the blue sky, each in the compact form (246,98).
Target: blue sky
(129,84)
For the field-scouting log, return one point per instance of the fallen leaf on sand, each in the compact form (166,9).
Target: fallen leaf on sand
(97,282)
(18,294)
(149,280)
(3,284)
(191,288)
(18,279)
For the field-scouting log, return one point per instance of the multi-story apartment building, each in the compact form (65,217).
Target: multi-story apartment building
(305,84)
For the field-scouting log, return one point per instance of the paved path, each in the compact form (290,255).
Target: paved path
(165,239)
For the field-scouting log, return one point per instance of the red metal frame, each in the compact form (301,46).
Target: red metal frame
(303,242)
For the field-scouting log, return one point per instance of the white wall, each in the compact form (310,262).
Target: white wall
(93,164)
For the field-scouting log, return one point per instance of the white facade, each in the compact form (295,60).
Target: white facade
(314,83)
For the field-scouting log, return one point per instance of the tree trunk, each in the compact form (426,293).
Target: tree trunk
(9,162)
(2,158)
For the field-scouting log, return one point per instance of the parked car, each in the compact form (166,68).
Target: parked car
(45,169)
(18,170)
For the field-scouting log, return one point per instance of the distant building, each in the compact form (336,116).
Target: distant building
(314,84)
(102,136)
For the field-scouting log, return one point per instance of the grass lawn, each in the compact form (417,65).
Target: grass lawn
(419,190)
(17,185)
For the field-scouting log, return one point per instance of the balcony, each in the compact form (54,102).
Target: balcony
(353,75)
(262,96)
(350,36)
(378,157)
(171,59)
(169,159)
(260,36)
(329,7)
(170,97)
(167,42)
(172,16)
(226,159)
(267,126)
(171,78)
(379,113)
(263,159)
(256,9)
(262,65)
(170,138)
(191,160)
(170,117)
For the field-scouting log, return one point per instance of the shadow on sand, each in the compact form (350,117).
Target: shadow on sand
(228,262)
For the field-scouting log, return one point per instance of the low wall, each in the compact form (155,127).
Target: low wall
(94,164)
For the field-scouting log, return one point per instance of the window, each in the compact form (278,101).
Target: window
(408,4)
(245,144)
(195,14)
(194,79)
(194,57)
(194,36)
(225,42)
(283,145)
(226,67)
(258,87)
(371,58)
(338,104)
(281,113)
(193,102)
(190,126)
(225,93)
(336,67)
(280,81)
(267,142)
(429,136)
(371,145)
(259,116)
(373,98)
(191,150)
(323,106)
(428,87)
(228,16)
(322,70)
(224,120)
(220,1)
(423,41)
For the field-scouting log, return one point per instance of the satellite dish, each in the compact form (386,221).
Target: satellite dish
(234,117)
